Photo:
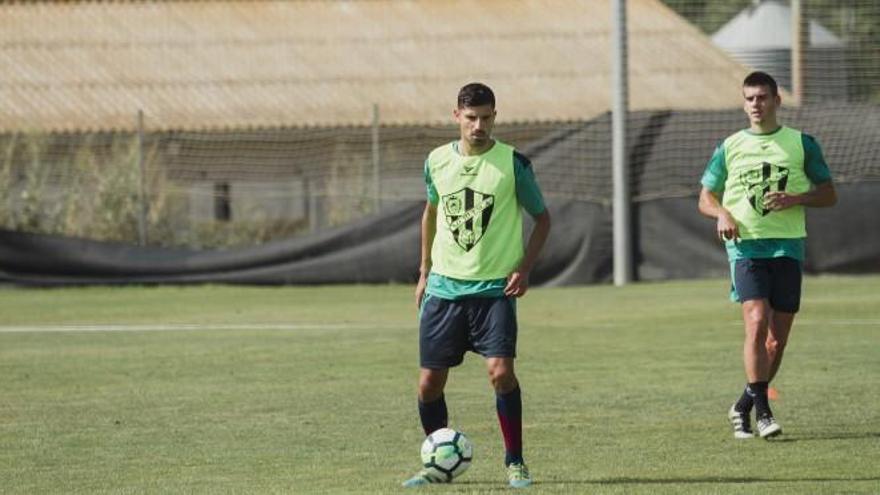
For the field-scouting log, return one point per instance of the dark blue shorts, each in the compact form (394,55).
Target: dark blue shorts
(776,279)
(449,328)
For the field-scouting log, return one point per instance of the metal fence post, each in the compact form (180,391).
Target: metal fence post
(377,184)
(623,269)
(142,190)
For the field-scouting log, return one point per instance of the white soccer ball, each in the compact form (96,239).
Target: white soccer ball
(446,454)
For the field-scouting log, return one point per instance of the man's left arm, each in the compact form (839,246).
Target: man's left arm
(820,196)
(518,281)
(823,195)
(529,196)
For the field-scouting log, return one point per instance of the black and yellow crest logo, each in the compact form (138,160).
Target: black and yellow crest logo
(760,180)
(468,214)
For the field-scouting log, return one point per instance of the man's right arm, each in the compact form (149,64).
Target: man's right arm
(429,229)
(710,205)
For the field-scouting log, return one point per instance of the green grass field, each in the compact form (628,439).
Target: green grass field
(312,390)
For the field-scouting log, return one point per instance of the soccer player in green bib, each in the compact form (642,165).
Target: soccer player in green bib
(474,266)
(756,186)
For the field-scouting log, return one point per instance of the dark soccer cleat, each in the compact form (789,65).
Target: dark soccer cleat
(742,427)
(768,427)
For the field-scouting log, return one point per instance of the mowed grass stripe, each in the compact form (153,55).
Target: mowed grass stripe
(170,327)
(122,327)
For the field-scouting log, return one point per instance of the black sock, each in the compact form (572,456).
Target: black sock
(745,402)
(433,414)
(759,392)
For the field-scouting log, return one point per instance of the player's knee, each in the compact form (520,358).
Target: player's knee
(774,345)
(756,324)
(430,388)
(502,378)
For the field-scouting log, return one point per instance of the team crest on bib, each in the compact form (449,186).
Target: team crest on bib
(760,180)
(468,214)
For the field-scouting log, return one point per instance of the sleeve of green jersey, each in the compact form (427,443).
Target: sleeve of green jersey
(814,163)
(527,191)
(433,197)
(716,171)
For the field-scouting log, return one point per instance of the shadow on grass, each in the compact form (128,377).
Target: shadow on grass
(677,481)
(710,479)
(827,436)
(697,480)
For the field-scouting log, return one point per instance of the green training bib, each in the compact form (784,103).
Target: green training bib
(756,165)
(479,221)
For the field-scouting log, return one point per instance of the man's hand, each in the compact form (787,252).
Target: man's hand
(725,225)
(420,289)
(726,228)
(517,284)
(780,200)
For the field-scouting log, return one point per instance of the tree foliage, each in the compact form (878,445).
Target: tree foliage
(856,22)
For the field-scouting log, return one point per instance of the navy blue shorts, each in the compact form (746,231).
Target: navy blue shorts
(449,328)
(776,279)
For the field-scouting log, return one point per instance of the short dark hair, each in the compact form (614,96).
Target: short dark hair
(759,78)
(475,95)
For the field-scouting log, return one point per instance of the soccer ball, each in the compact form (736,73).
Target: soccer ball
(446,454)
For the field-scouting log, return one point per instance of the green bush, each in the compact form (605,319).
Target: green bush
(88,186)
